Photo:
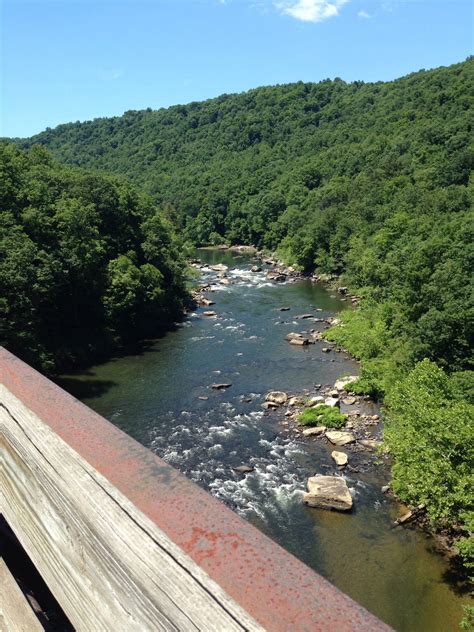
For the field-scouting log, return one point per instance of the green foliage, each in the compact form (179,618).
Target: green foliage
(322,415)
(87,264)
(467,622)
(365,333)
(429,431)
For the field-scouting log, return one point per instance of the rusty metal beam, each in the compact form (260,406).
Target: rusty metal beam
(275,588)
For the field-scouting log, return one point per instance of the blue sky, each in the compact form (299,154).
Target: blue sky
(68,60)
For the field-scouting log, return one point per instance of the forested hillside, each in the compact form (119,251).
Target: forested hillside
(87,264)
(371,182)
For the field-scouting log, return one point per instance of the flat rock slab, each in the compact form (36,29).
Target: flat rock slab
(339,437)
(317,430)
(328,492)
(300,342)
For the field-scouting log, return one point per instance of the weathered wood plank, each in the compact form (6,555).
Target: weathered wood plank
(16,614)
(108,565)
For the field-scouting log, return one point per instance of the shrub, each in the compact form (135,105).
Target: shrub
(322,416)
(429,431)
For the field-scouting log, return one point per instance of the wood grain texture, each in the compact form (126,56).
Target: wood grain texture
(16,614)
(108,565)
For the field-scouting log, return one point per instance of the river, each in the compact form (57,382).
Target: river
(154,396)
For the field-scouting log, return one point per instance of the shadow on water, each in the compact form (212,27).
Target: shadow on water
(85,387)
(84,383)
(457,577)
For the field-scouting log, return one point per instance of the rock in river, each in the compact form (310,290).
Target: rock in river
(315,430)
(293,336)
(300,342)
(339,457)
(220,387)
(328,492)
(243,469)
(339,437)
(206,302)
(270,405)
(219,267)
(277,397)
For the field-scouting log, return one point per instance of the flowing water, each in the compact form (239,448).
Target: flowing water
(154,397)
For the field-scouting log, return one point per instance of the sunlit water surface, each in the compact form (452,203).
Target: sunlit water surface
(153,396)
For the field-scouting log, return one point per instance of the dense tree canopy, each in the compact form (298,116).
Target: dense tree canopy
(370,180)
(86,263)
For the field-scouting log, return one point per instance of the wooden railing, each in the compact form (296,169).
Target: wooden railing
(125,542)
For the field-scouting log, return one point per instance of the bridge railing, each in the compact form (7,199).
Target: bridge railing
(125,542)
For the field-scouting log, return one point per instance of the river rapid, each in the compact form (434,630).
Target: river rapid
(154,396)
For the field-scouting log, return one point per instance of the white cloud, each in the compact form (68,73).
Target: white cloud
(310,10)
(364,14)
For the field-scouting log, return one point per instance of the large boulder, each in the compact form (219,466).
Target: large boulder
(277,397)
(340,437)
(328,492)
